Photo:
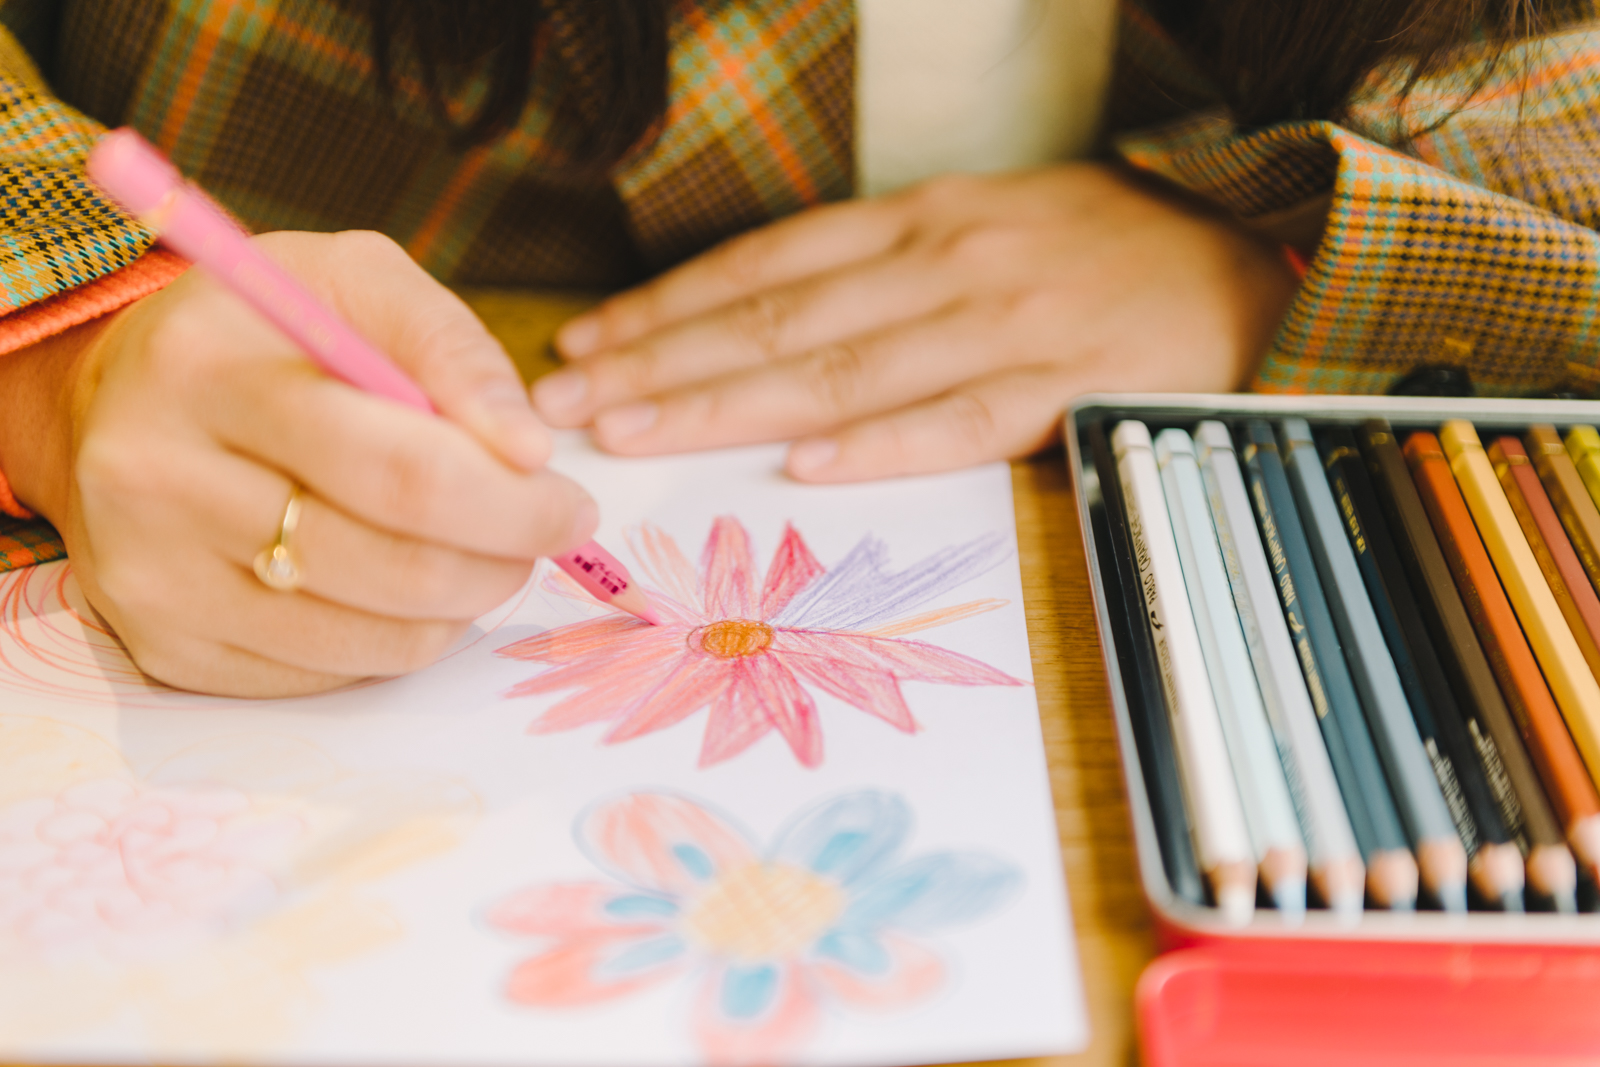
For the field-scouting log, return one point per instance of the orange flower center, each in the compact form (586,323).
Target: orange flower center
(764,911)
(733,638)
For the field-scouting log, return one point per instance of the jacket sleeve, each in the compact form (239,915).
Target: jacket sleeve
(1472,245)
(67,255)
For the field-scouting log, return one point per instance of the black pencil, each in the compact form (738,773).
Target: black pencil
(1496,863)
(1141,681)
(1525,808)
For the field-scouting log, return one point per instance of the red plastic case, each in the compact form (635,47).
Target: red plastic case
(1425,988)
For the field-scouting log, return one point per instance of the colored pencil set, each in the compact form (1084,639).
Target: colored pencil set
(1360,664)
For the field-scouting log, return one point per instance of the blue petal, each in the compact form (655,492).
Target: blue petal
(860,952)
(640,907)
(846,838)
(933,891)
(695,861)
(641,957)
(748,991)
(860,590)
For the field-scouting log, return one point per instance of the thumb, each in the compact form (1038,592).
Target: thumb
(433,336)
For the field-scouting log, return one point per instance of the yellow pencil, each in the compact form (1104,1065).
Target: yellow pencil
(1583,445)
(1575,689)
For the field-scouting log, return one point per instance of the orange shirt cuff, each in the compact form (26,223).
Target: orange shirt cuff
(152,271)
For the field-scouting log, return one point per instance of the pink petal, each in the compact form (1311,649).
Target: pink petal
(773,1037)
(775,691)
(793,568)
(693,685)
(737,720)
(664,564)
(729,569)
(605,699)
(571,911)
(874,692)
(656,841)
(609,636)
(914,974)
(908,661)
(567,977)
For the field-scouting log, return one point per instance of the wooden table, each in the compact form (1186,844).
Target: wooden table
(1108,910)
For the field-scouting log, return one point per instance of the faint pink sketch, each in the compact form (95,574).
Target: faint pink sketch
(132,871)
(194,898)
(829,917)
(749,648)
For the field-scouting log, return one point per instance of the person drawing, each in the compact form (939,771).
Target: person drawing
(1431,161)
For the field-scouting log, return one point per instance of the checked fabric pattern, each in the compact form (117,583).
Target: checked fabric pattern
(1471,244)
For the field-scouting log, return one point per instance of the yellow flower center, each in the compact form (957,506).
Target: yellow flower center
(733,638)
(764,911)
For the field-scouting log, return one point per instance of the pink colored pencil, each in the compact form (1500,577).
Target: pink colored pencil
(139,178)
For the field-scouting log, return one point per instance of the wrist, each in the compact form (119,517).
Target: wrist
(44,389)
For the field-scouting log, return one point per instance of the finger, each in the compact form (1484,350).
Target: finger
(340,558)
(198,663)
(763,328)
(430,333)
(298,631)
(826,387)
(1002,416)
(392,467)
(804,244)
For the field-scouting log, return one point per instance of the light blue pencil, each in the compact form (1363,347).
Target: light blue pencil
(1268,808)
(1441,858)
(1334,858)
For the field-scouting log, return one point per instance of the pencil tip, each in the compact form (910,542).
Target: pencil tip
(1452,896)
(1511,902)
(1289,897)
(1566,903)
(1237,903)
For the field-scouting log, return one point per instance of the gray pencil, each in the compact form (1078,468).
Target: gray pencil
(1441,858)
(1337,872)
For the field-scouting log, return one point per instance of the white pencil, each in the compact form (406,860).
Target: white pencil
(1222,840)
(1268,810)
(1337,872)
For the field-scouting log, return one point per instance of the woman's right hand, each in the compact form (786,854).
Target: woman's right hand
(163,443)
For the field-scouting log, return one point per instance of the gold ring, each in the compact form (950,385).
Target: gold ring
(276,565)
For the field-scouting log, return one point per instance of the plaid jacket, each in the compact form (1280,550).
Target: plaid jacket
(1472,244)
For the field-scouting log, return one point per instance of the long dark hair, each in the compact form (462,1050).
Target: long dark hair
(614,53)
(1305,59)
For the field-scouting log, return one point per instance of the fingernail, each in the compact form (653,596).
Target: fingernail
(579,336)
(807,457)
(561,391)
(629,420)
(585,521)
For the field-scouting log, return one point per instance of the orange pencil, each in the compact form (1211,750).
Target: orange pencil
(1579,517)
(1566,779)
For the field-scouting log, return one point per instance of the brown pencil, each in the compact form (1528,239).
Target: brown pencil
(1549,744)
(1579,517)
(1551,548)
(1495,739)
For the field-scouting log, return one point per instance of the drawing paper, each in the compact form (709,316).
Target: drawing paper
(806,821)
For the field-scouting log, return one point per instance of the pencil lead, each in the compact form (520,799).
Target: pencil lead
(1289,897)
(1565,903)
(1453,896)
(1511,903)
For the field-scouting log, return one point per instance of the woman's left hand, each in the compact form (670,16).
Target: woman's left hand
(936,328)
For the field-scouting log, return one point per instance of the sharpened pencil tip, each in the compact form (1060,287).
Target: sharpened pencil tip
(1452,896)
(1565,903)
(1289,897)
(1512,903)
(1237,904)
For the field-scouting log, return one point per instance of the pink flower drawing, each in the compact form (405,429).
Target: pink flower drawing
(751,648)
(830,915)
(127,870)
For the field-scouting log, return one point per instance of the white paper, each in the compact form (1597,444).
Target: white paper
(404,873)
